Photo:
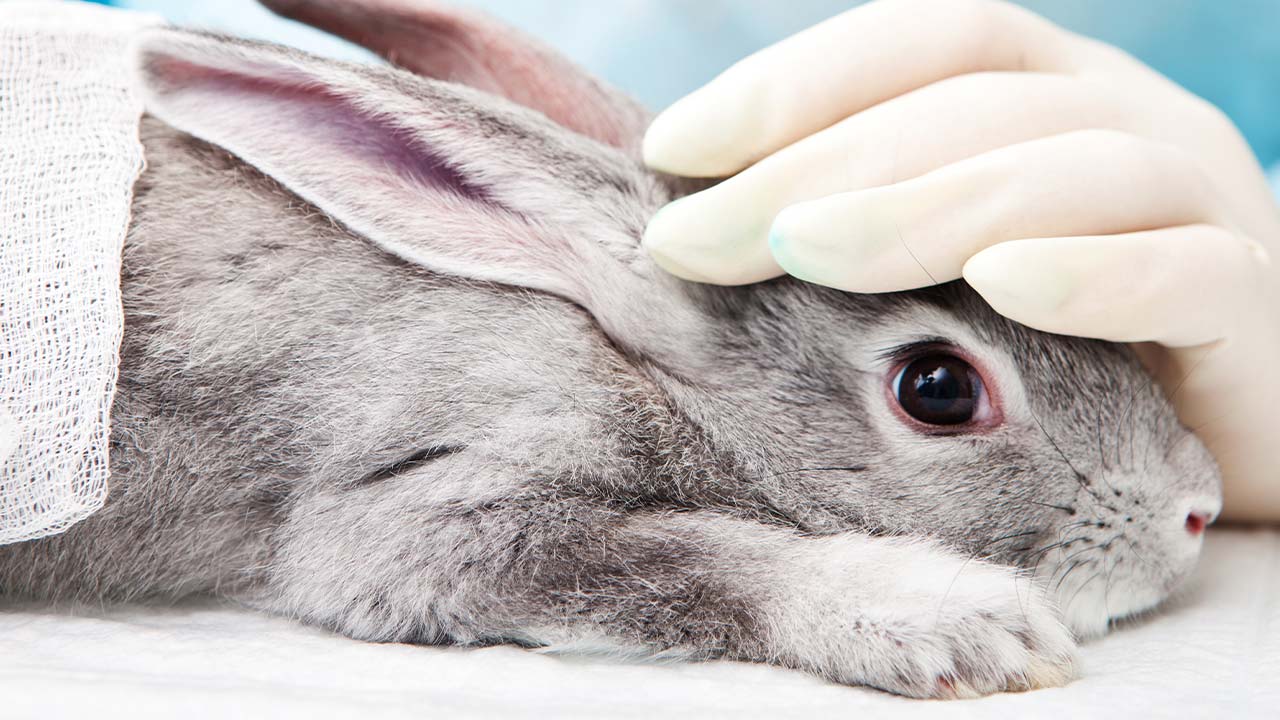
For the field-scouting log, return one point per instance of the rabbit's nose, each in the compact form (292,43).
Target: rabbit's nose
(1200,514)
(1197,522)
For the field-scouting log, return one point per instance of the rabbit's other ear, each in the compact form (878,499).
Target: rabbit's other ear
(437,41)
(457,181)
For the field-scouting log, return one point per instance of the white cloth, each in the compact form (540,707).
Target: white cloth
(1213,653)
(69,155)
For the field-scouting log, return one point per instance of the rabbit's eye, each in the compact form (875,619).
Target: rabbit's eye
(938,390)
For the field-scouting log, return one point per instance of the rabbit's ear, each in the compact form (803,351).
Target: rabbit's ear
(452,179)
(451,44)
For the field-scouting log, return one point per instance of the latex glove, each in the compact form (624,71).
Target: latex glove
(912,142)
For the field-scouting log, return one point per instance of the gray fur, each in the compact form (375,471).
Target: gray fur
(313,425)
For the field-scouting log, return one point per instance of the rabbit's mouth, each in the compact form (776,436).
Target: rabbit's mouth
(1094,595)
(1121,556)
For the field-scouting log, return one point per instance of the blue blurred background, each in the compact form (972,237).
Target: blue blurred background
(1227,51)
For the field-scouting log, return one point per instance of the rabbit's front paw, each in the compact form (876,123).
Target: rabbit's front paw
(985,632)
(938,626)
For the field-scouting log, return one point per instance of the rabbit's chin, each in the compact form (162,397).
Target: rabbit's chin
(1092,599)
(1091,612)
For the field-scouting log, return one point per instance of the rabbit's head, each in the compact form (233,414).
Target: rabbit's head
(918,413)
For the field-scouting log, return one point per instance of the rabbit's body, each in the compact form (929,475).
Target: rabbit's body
(270,353)
(275,364)
(356,433)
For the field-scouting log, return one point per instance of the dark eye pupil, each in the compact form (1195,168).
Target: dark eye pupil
(939,390)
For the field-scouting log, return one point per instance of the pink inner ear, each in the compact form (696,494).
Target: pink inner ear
(331,121)
(424,176)
(379,141)
(468,48)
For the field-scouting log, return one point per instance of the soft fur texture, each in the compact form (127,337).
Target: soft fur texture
(395,364)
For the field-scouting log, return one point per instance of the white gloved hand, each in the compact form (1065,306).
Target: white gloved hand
(911,142)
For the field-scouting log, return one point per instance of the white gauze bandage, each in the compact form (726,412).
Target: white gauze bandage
(69,155)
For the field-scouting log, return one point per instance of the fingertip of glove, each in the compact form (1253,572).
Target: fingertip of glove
(1015,289)
(700,135)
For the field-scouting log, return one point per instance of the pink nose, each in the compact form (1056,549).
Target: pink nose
(1196,522)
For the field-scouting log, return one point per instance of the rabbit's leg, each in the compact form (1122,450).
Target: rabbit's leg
(549,570)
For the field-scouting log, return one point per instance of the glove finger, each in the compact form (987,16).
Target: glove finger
(839,67)
(720,235)
(921,232)
(1199,292)
(1178,286)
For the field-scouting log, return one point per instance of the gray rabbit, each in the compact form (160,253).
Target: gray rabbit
(395,365)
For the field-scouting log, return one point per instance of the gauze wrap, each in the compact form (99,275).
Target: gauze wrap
(69,155)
